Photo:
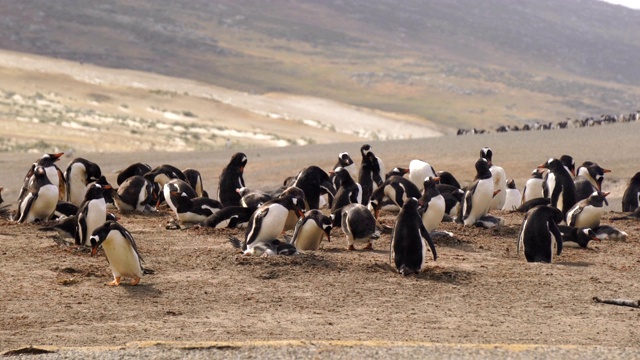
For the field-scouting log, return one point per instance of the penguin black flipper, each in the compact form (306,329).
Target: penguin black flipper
(22,215)
(427,238)
(553,227)
(254,229)
(530,204)
(468,203)
(574,215)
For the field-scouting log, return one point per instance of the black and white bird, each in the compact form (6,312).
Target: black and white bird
(409,240)
(121,252)
(431,205)
(92,213)
(230,217)
(369,177)
(194,210)
(513,200)
(631,197)
(533,188)
(53,173)
(349,191)
(580,236)
(135,169)
(194,179)
(367,149)
(499,180)
(397,189)
(420,170)
(478,195)
(587,212)
(538,233)
(134,194)
(253,198)
(269,220)
(358,225)
(39,201)
(315,183)
(589,178)
(311,229)
(231,178)
(79,174)
(560,188)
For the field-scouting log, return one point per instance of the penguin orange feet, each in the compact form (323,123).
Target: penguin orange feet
(115,282)
(368,247)
(351,248)
(135,281)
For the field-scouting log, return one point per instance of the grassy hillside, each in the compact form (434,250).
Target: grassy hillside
(457,62)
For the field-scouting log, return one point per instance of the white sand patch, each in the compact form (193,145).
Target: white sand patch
(163,126)
(172,116)
(75,125)
(93,102)
(48,104)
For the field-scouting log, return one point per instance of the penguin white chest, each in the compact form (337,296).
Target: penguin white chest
(533,189)
(308,237)
(43,206)
(123,259)
(77,186)
(434,214)
(513,200)
(499,183)
(96,215)
(480,201)
(270,226)
(589,217)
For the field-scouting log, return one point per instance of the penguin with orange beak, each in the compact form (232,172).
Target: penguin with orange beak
(121,252)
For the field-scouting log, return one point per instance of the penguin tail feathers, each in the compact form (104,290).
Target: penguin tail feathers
(148,271)
(405,271)
(235,242)
(5,212)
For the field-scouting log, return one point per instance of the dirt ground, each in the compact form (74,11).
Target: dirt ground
(478,291)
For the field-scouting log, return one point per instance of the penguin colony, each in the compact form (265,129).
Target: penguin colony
(560,205)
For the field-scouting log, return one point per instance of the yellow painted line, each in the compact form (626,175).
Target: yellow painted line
(191,345)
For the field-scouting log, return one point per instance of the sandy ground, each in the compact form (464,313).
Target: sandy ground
(477,292)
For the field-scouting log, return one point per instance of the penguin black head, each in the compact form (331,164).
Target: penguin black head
(430,183)
(365,149)
(238,160)
(568,162)
(49,159)
(96,191)
(486,153)
(482,169)
(598,198)
(511,184)
(585,235)
(447,178)
(396,171)
(39,172)
(344,159)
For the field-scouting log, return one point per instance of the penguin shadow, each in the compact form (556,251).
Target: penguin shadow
(142,290)
(435,273)
(574,263)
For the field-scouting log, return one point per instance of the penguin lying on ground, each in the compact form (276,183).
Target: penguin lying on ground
(268,248)
(252,198)
(39,202)
(194,210)
(230,217)
(136,169)
(396,188)
(581,236)
(80,172)
(587,212)
(134,194)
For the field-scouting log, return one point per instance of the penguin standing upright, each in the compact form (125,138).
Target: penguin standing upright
(539,230)
(589,178)
(513,200)
(569,166)
(368,149)
(499,180)
(91,214)
(121,252)
(533,188)
(269,220)
(369,176)
(562,190)
(587,213)
(431,205)
(409,240)
(478,195)
(311,229)
(39,202)
(55,175)
(345,162)
(349,192)
(80,172)
(631,197)
(231,179)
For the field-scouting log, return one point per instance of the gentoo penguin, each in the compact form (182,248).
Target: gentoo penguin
(549,178)
(80,172)
(513,200)
(314,182)
(161,175)
(587,212)
(231,179)
(134,194)
(397,189)
(419,171)
(608,232)
(108,196)
(631,197)
(55,175)
(39,202)
(453,197)
(345,162)
(121,251)
(91,214)
(447,178)
(367,149)
(358,224)
(561,189)
(581,236)
(478,195)
(311,229)
(431,205)
(230,217)
(194,178)
(193,210)
(269,220)
(349,192)
(589,177)
(65,209)
(499,180)
(538,231)
(369,176)
(409,240)
(4,209)
(176,187)
(253,198)
(533,188)
(268,248)
(132,170)
(396,171)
